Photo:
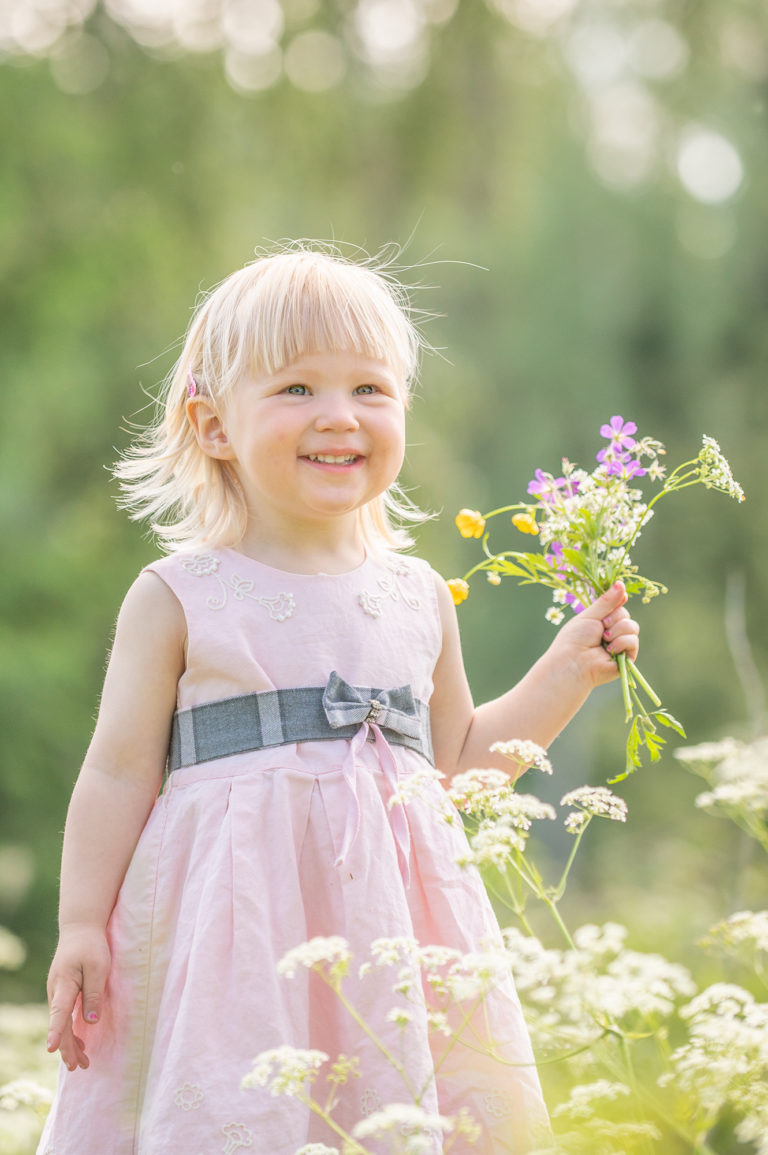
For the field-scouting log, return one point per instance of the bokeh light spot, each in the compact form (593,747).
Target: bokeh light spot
(315,61)
(657,50)
(79,64)
(709,166)
(249,74)
(623,143)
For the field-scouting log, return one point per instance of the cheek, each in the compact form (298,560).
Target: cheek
(397,431)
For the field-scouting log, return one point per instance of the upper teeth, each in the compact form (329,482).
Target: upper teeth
(330,459)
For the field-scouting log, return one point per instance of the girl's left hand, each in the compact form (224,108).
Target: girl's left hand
(595,636)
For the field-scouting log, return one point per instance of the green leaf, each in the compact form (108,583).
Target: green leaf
(509,570)
(666,719)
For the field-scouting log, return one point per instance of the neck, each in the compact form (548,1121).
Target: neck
(311,549)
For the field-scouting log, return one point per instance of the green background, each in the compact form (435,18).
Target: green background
(569,273)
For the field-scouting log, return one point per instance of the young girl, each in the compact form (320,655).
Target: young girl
(287,667)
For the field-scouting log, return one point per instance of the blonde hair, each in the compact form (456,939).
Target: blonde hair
(282,305)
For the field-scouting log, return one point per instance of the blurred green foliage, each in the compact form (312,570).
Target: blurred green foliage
(569,277)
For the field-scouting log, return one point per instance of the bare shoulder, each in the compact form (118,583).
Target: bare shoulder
(151,634)
(150,606)
(140,687)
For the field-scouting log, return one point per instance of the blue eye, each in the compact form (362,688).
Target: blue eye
(365,390)
(297,390)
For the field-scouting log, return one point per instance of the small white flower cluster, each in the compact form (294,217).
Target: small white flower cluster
(317,1149)
(745,928)
(571,995)
(715,471)
(24,1093)
(601,1134)
(285,1070)
(387,952)
(399,1016)
(490,793)
(415,785)
(491,844)
(478,792)
(317,954)
(399,1115)
(414,1129)
(703,756)
(726,1059)
(592,801)
(451,975)
(475,975)
(737,773)
(524,753)
(503,817)
(582,1100)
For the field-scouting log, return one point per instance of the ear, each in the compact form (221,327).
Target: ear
(209,429)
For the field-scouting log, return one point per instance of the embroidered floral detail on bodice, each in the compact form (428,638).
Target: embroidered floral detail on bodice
(393,586)
(189,1097)
(237,1135)
(370,1101)
(499,1104)
(280,607)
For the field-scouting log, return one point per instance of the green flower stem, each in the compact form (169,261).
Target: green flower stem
(505,509)
(398,1066)
(641,710)
(559,890)
(350,1144)
(552,907)
(455,1038)
(622,663)
(651,1102)
(647,687)
(511,901)
(572,1054)
(527,875)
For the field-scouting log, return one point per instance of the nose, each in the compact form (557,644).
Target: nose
(336,413)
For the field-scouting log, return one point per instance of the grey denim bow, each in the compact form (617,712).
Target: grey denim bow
(394,709)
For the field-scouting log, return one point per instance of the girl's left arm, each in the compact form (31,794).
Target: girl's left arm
(543,702)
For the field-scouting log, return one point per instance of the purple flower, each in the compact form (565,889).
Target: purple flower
(556,556)
(626,467)
(619,432)
(546,487)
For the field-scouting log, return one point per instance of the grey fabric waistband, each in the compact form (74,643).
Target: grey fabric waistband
(306,714)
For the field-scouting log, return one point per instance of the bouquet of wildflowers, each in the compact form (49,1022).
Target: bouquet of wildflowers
(586,524)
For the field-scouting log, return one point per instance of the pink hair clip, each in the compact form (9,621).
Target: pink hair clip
(192,386)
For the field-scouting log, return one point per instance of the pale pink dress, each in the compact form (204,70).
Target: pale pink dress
(240,862)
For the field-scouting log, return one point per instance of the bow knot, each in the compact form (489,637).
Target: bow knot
(394,709)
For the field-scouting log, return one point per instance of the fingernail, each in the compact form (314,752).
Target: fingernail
(91,1017)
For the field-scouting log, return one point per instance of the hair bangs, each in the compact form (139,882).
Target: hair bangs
(291,304)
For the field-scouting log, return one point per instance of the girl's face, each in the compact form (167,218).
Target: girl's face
(316,440)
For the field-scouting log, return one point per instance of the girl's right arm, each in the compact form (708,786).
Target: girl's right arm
(115,791)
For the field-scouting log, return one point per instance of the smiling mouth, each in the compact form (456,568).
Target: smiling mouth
(333,458)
